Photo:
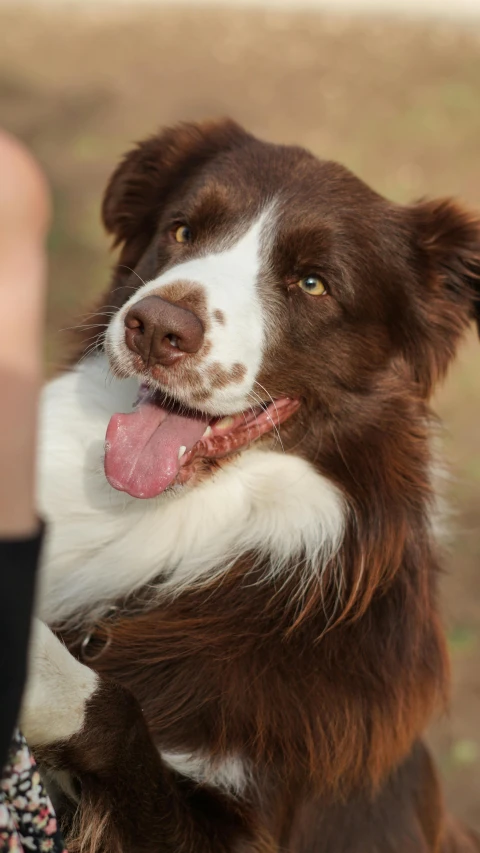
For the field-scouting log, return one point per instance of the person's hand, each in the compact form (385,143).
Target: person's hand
(24,218)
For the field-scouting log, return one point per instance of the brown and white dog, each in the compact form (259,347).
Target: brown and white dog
(248,562)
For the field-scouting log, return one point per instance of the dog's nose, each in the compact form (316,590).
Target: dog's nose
(160,331)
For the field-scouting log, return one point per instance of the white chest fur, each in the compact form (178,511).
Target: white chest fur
(103,544)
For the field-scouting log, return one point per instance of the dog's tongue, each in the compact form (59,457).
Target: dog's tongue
(141,449)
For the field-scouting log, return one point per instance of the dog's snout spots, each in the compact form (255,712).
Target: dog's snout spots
(220,376)
(216,377)
(219,316)
(238,372)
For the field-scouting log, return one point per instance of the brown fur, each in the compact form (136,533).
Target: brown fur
(323,688)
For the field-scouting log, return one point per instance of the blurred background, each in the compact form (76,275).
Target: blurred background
(395,98)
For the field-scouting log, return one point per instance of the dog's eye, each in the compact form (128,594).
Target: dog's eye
(183,234)
(313,285)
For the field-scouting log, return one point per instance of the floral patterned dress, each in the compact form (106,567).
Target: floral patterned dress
(27,819)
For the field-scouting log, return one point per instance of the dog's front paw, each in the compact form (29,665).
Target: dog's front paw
(58,688)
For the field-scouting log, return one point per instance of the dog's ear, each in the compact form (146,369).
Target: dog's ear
(148,174)
(447,261)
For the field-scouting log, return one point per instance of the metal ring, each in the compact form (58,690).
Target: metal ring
(86,642)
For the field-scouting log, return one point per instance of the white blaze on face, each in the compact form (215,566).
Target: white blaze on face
(229,280)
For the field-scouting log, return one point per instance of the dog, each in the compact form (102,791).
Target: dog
(240,480)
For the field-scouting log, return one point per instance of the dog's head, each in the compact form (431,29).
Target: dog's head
(258,285)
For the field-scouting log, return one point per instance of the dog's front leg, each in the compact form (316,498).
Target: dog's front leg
(58,689)
(94,730)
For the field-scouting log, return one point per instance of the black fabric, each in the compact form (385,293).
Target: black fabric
(19,560)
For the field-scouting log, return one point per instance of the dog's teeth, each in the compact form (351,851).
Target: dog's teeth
(225,423)
(207,432)
(181,451)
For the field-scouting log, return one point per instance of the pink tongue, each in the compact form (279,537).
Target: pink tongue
(141,450)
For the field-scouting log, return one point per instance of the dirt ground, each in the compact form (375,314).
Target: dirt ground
(399,104)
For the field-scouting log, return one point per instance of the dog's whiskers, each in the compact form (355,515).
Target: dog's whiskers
(134,273)
(83,326)
(276,410)
(275,427)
